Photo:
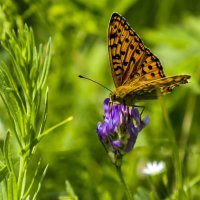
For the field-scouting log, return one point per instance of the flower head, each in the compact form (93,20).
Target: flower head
(119,131)
(153,168)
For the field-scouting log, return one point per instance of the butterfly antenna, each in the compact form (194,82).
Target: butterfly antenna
(80,76)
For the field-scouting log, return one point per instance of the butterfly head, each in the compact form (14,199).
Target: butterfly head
(114,97)
(121,95)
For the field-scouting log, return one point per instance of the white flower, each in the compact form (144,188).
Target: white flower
(153,168)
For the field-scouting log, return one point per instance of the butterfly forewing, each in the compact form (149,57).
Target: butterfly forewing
(151,67)
(121,44)
(129,58)
(137,73)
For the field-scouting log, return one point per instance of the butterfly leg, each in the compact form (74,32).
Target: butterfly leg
(110,105)
(142,107)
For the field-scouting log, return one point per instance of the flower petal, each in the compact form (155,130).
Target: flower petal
(116,144)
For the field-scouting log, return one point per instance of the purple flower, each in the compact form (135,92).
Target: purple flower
(119,131)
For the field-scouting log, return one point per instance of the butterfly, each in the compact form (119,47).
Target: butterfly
(136,71)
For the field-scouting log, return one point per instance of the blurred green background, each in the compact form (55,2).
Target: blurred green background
(78,28)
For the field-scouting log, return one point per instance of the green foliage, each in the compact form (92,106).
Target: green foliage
(78,30)
(70,193)
(21,84)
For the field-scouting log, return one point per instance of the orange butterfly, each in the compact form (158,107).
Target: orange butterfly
(137,73)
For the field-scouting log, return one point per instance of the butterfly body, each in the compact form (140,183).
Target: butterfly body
(137,73)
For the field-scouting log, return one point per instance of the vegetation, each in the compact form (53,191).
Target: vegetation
(48,116)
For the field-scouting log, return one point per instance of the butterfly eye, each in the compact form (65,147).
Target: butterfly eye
(113,97)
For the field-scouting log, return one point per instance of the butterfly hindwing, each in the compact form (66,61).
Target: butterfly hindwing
(161,86)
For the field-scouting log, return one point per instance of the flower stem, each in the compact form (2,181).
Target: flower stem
(175,154)
(127,191)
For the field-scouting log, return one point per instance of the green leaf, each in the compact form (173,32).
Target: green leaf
(42,135)
(11,183)
(12,187)
(40,183)
(44,69)
(11,100)
(143,194)
(44,114)
(7,153)
(70,193)
(3,171)
(28,191)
